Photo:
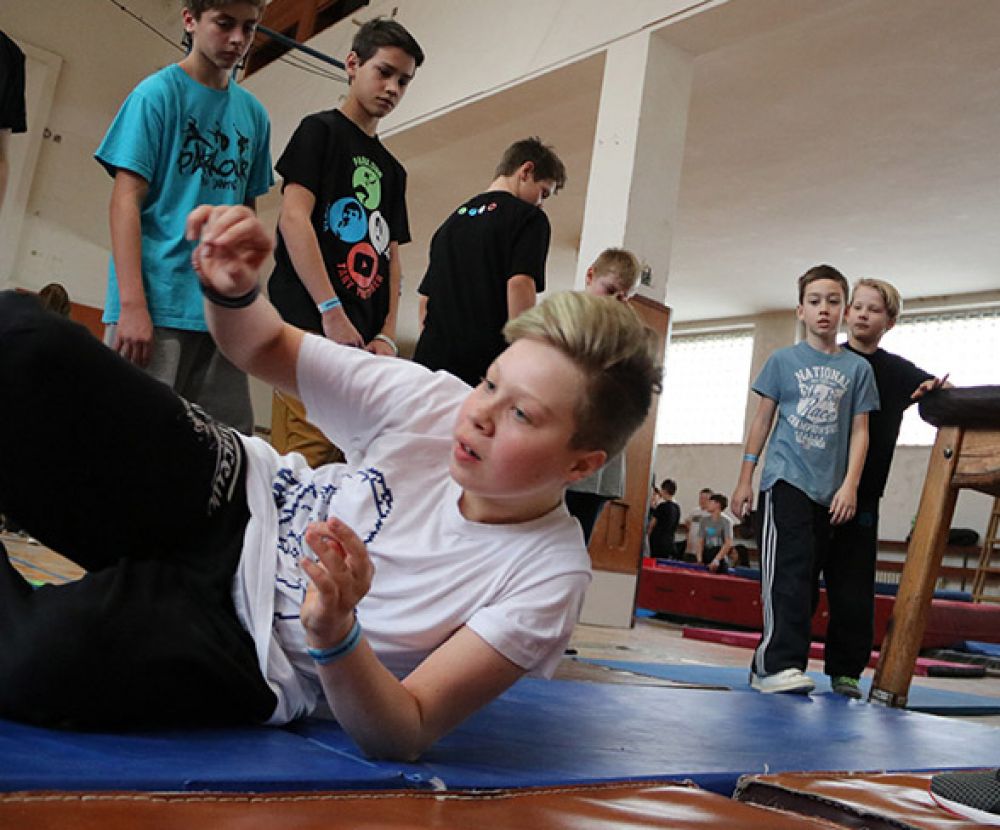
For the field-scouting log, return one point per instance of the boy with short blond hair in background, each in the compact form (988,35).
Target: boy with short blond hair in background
(613,274)
(849,568)
(343,217)
(186,135)
(821,395)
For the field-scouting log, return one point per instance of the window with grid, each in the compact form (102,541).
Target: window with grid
(705,388)
(963,345)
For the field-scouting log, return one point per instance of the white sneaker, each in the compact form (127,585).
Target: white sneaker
(791,681)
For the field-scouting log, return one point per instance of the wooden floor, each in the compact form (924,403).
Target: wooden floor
(650,640)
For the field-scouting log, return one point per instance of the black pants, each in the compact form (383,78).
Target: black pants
(112,469)
(849,571)
(795,537)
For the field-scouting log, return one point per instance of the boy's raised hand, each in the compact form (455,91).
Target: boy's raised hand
(339,580)
(232,246)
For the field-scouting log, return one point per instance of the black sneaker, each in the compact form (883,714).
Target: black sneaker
(974,795)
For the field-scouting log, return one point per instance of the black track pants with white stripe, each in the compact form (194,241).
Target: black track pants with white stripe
(795,533)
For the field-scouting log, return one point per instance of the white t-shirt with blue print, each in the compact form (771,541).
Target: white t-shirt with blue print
(519,587)
(818,395)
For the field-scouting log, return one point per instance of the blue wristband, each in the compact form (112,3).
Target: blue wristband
(342,649)
(329,305)
(750,457)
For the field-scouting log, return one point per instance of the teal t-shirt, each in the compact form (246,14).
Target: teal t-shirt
(194,145)
(818,395)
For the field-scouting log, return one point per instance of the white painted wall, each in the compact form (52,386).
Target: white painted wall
(64,237)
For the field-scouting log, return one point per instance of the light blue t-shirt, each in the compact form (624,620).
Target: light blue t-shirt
(194,145)
(818,395)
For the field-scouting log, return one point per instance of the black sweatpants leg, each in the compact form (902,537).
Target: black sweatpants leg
(849,571)
(115,471)
(795,532)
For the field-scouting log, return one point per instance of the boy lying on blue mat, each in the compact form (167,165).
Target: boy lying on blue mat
(403,590)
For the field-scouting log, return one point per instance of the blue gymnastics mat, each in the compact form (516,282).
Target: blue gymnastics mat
(538,733)
(920,699)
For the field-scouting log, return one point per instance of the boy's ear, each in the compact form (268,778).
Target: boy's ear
(586,465)
(526,171)
(351,64)
(590,275)
(189,19)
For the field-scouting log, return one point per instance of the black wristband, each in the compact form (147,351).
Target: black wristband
(216,298)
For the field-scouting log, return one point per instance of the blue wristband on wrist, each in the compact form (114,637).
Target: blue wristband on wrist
(329,305)
(750,457)
(342,649)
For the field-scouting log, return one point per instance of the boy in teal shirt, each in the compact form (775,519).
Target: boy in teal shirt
(186,135)
(822,395)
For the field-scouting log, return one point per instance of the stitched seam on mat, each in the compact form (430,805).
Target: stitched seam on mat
(221,798)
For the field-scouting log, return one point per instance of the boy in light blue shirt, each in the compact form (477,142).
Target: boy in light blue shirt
(186,135)
(821,395)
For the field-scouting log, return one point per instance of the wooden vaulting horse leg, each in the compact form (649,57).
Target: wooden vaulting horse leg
(966,454)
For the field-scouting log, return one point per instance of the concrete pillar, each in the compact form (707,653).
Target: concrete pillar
(632,202)
(638,152)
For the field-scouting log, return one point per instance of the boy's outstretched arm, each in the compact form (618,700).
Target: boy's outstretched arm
(742,499)
(233,245)
(387,717)
(845,500)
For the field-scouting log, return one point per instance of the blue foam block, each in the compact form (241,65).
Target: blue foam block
(538,733)
(920,698)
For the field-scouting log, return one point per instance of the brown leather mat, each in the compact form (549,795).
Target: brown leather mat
(608,807)
(889,801)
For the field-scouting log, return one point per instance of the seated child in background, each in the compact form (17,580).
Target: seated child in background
(715,536)
(821,395)
(692,522)
(400,591)
(664,518)
(613,275)
(849,567)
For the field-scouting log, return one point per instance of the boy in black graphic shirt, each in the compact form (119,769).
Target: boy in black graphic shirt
(343,216)
(487,263)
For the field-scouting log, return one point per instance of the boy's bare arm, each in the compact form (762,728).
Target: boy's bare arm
(389,718)
(845,500)
(378,346)
(760,428)
(134,335)
(521,295)
(232,247)
(295,222)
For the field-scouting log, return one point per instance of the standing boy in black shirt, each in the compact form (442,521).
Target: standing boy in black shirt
(343,216)
(487,263)
(849,569)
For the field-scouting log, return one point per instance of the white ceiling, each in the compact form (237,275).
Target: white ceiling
(863,133)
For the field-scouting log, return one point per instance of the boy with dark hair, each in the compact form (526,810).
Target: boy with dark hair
(343,217)
(715,536)
(487,263)
(822,395)
(666,515)
(187,135)
(400,593)
(849,568)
